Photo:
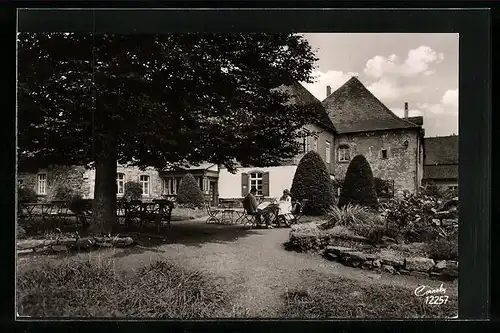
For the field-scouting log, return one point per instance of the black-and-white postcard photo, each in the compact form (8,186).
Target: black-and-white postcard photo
(288,175)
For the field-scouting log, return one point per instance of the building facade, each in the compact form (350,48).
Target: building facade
(393,146)
(441,161)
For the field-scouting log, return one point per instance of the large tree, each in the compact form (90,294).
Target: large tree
(158,100)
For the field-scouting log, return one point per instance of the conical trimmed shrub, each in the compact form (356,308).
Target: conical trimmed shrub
(312,182)
(189,193)
(359,185)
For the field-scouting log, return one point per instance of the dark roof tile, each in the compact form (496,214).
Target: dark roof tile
(441,150)
(353,108)
(302,96)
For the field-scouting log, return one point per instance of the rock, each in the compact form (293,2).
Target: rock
(338,250)
(388,258)
(355,263)
(419,264)
(356,255)
(451,269)
(418,274)
(449,222)
(440,265)
(404,271)
(436,222)
(388,240)
(376,263)
(389,268)
(59,248)
(367,264)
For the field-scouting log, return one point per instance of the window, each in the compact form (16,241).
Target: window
(169,186)
(384,153)
(256,181)
(344,154)
(42,184)
(144,180)
(327,151)
(120,183)
(315,144)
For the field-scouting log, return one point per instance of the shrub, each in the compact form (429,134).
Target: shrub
(359,185)
(410,217)
(189,193)
(312,182)
(76,203)
(64,193)
(383,188)
(444,248)
(26,194)
(133,191)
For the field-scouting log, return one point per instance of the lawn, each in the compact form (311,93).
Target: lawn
(322,296)
(95,289)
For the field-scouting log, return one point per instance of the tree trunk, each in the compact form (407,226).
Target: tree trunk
(104,204)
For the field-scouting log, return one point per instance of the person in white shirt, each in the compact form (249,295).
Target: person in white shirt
(285,207)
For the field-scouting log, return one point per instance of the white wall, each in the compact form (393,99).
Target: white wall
(280,178)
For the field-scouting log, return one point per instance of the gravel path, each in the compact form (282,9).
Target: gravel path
(254,261)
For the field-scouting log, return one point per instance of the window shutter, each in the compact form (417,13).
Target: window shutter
(244,184)
(265,184)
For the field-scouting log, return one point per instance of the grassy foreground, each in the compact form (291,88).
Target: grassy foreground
(93,289)
(322,296)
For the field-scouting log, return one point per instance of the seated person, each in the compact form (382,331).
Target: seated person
(285,206)
(252,208)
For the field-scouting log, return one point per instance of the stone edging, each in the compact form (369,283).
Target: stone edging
(416,266)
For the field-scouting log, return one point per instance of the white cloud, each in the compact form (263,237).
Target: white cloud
(450,98)
(447,105)
(334,79)
(387,89)
(417,62)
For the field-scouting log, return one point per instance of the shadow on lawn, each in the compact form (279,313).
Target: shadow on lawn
(193,233)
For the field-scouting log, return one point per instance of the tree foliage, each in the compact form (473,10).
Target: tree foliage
(26,194)
(132,191)
(171,99)
(359,185)
(312,182)
(189,192)
(158,100)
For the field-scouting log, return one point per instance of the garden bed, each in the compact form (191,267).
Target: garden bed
(342,245)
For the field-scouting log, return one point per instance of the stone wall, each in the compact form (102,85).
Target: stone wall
(57,176)
(130,174)
(401,163)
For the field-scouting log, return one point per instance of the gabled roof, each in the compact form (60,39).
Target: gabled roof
(353,108)
(441,150)
(302,96)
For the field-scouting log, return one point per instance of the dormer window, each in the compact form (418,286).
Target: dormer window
(344,153)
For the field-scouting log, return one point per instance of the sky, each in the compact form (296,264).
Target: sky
(421,69)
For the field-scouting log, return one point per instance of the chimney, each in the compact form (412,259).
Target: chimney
(406,110)
(328,91)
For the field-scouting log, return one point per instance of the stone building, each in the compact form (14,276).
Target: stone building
(441,161)
(393,146)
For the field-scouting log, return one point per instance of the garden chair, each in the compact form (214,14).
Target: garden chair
(298,210)
(212,213)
